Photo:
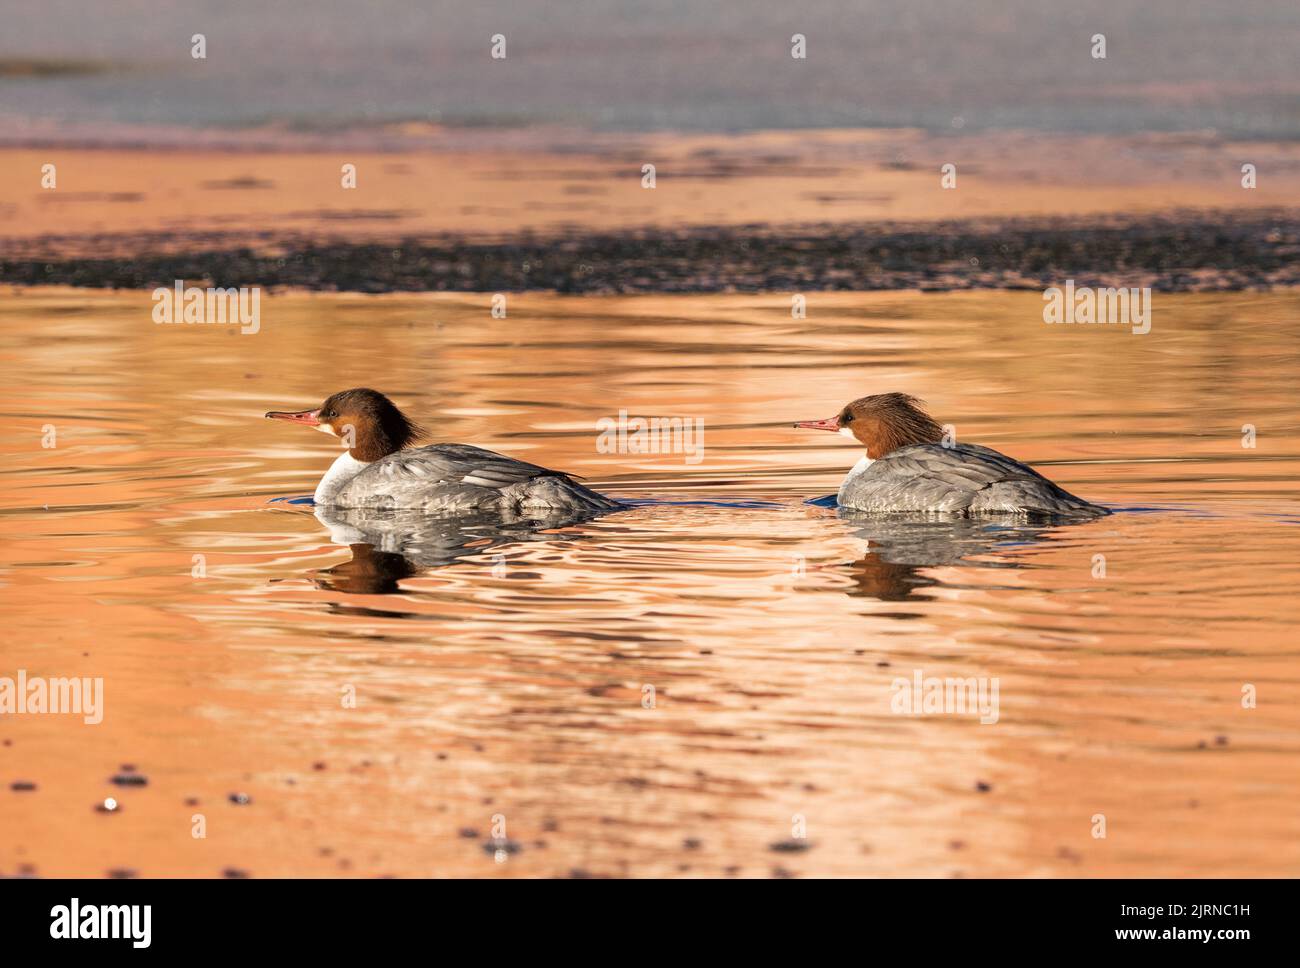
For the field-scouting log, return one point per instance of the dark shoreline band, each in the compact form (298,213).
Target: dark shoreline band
(1178,252)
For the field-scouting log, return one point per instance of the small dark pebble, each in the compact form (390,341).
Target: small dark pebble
(550,825)
(234,873)
(240,799)
(490,847)
(731,871)
(956,845)
(127,767)
(9,742)
(318,765)
(781,872)
(469,833)
(129,779)
(123,873)
(191,801)
(1220,741)
(22,786)
(442,756)
(1202,745)
(882,665)
(983,787)
(791,846)
(691,843)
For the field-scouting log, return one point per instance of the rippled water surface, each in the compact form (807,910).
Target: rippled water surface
(506,678)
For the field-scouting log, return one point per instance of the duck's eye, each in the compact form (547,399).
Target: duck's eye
(846,418)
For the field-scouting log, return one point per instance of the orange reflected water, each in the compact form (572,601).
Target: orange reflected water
(510,682)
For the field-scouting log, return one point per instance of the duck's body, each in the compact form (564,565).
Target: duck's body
(453,479)
(381,472)
(964,479)
(909,468)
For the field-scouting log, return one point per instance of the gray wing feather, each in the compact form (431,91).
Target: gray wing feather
(453,463)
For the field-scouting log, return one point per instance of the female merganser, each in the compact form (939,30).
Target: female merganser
(375,471)
(908,470)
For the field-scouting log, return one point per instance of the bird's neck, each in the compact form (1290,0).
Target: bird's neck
(344,468)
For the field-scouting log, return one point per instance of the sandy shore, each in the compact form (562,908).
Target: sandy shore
(568,211)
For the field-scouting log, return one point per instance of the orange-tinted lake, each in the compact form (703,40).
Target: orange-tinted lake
(679,689)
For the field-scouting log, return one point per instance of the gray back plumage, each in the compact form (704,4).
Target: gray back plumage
(964,479)
(455,478)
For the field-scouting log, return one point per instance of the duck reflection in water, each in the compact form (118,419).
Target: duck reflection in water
(900,547)
(388,546)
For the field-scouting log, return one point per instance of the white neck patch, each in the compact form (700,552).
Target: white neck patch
(341,471)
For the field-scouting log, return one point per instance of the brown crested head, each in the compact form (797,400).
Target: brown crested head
(376,426)
(367,420)
(882,423)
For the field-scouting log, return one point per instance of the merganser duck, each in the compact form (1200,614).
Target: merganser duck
(907,469)
(377,472)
